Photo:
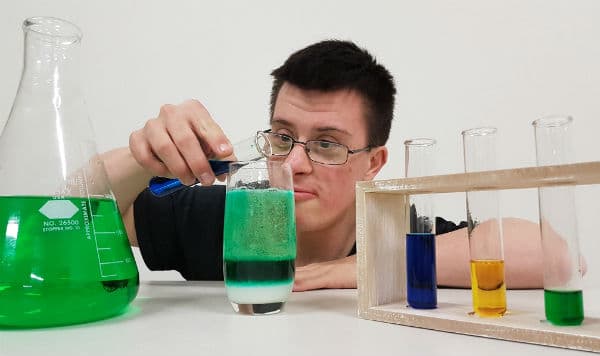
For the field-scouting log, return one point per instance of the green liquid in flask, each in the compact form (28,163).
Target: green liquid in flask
(564,307)
(63,261)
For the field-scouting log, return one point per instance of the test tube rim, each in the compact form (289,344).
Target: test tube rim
(420,142)
(480,131)
(553,121)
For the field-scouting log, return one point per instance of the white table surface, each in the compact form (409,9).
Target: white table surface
(194,318)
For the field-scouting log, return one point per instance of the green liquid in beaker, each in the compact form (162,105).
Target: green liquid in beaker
(63,261)
(564,307)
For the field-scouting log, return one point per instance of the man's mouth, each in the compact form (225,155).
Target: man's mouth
(301,194)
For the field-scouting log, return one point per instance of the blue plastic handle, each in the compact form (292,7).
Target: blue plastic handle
(161,186)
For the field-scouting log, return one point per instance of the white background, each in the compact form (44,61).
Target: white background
(458,64)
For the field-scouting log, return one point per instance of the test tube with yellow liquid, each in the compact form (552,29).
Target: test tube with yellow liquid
(484,227)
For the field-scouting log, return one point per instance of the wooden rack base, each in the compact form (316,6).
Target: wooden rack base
(381,226)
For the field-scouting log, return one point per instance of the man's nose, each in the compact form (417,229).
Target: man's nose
(298,160)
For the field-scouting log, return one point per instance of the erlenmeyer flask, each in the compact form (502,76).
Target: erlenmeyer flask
(64,253)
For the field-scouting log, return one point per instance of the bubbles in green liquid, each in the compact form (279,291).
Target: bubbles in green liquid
(259,225)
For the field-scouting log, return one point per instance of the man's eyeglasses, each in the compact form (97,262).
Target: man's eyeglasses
(323,152)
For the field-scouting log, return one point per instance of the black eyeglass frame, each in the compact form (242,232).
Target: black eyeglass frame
(307,150)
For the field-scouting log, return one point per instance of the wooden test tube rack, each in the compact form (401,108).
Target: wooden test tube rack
(382,221)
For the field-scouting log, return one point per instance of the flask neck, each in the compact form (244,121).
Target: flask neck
(50,63)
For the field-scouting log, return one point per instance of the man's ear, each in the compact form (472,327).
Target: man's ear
(377,158)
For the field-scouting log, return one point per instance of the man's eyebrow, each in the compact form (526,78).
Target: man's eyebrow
(331,128)
(287,123)
(282,122)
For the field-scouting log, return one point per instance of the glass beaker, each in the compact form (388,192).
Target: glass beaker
(259,236)
(64,254)
(421,288)
(484,227)
(563,296)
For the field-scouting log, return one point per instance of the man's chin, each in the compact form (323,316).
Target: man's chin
(307,215)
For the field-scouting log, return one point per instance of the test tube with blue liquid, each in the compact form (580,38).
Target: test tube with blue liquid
(563,296)
(421,286)
(250,149)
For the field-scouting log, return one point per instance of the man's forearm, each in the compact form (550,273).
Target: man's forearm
(127,178)
(522,256)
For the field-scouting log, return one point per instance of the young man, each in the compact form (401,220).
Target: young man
(330,95)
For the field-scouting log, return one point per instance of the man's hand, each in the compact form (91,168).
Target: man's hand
(179,142)
(334,274)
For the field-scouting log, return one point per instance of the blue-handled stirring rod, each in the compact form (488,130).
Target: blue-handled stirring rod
(250,149)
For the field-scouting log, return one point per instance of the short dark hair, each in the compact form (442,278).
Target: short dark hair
(333,65)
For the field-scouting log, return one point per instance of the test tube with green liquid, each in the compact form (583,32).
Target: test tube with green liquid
(563,297)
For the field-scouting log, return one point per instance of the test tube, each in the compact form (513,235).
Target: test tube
(420,241)
(484,227)
(251,149)
(563,297)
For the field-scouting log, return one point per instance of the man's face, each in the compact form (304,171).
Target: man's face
(324,194)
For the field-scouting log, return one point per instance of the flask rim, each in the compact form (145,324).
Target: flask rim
(53,29)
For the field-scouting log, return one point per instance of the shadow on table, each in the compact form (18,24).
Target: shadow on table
(156,297)
(332,301)
(211,297)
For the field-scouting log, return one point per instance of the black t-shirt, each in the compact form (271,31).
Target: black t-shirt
(184,231)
